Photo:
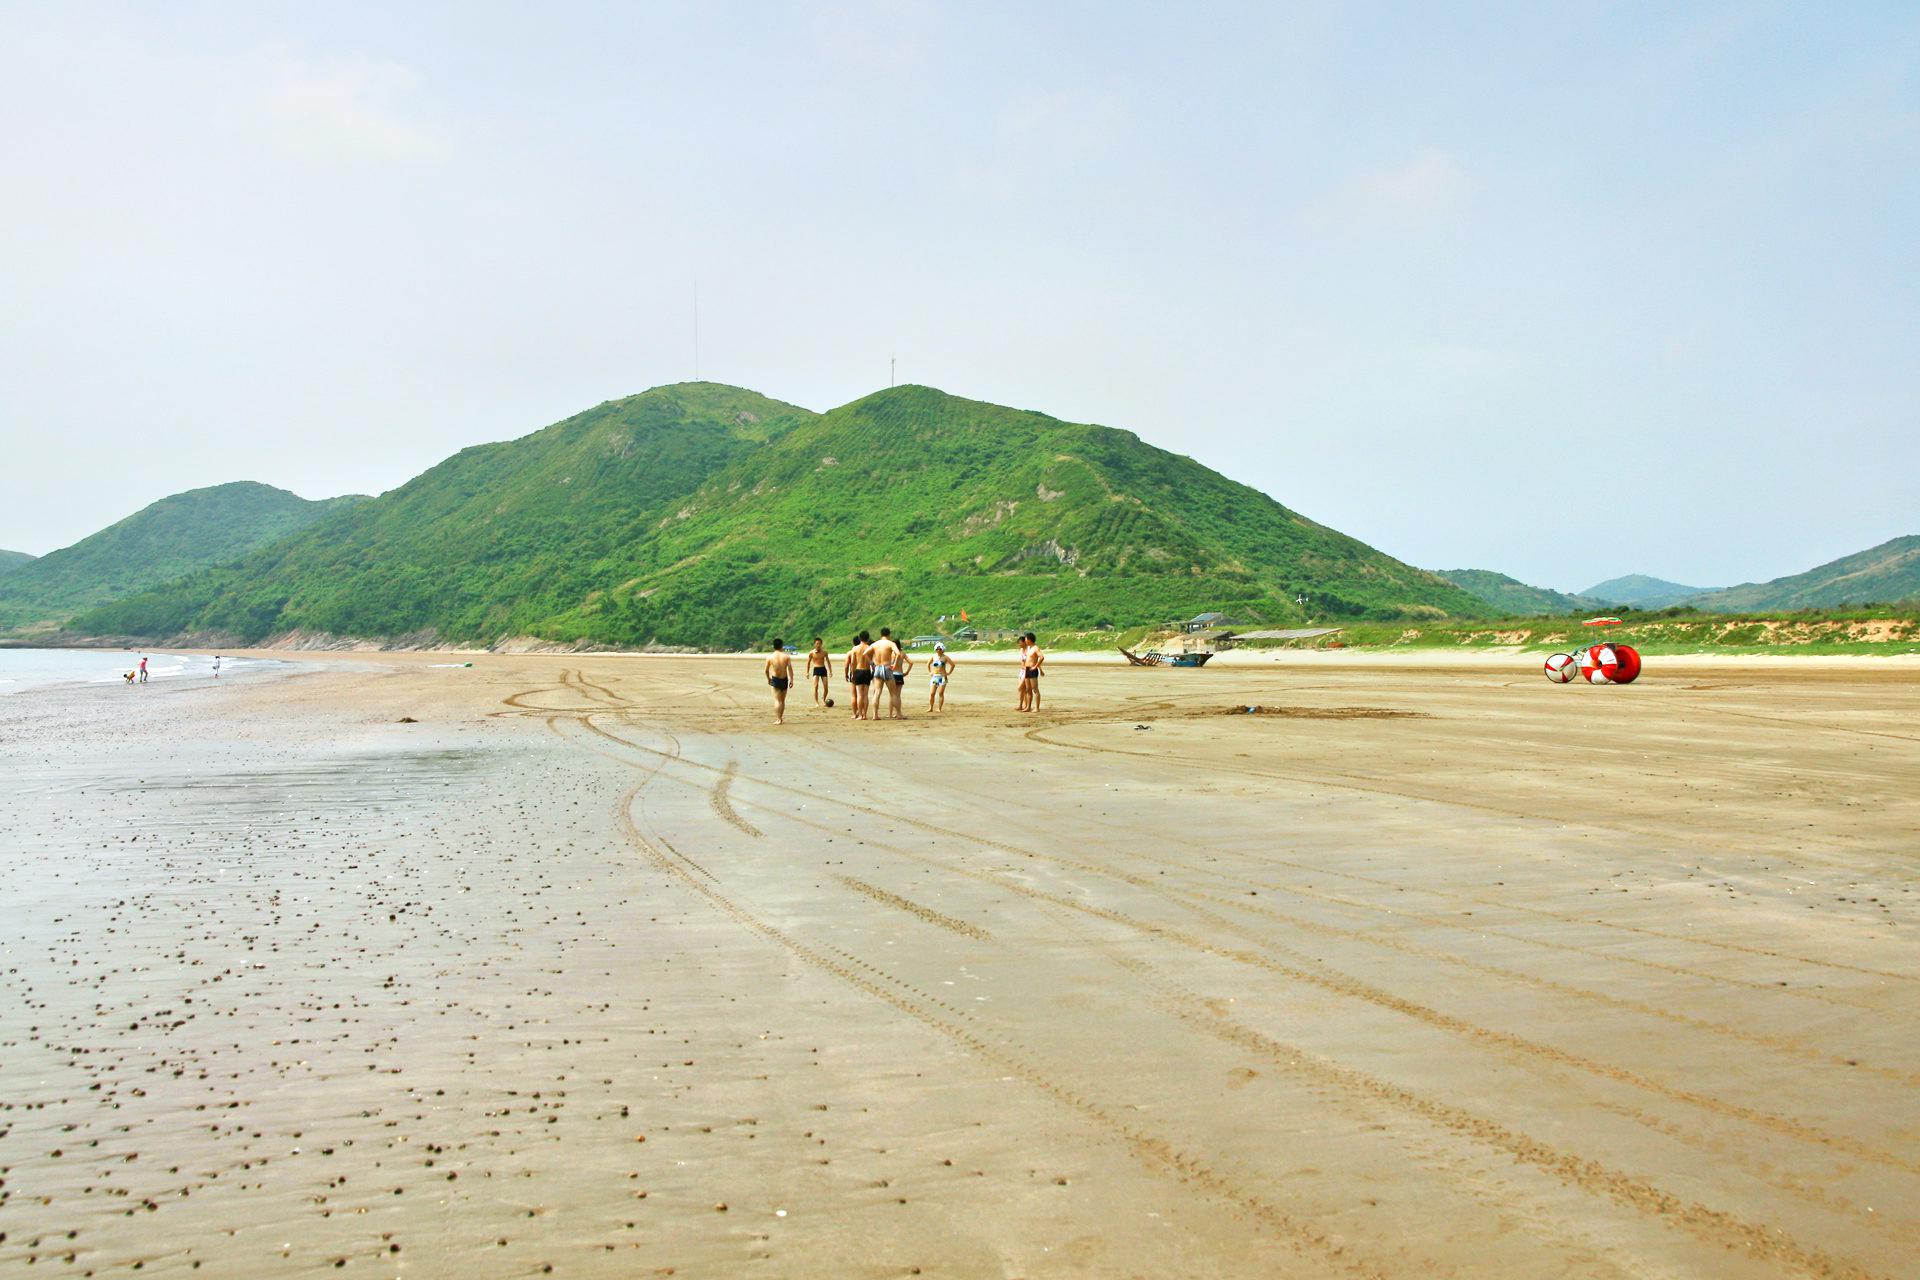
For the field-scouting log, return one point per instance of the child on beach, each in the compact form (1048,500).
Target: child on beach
(1026,685)
(941,666)
(899,687)
(780,676)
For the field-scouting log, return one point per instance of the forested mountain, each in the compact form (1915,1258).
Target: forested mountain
(709,516)
(1886,574)
(156,544)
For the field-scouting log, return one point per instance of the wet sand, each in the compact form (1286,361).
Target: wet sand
(592,971)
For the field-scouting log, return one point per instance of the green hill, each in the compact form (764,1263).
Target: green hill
(494,541)
(1515,599)
(709,516)
(1642,592)
(1886,574)
(173,536)
(11,560)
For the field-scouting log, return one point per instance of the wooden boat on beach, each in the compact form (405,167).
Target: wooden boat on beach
(1154,658)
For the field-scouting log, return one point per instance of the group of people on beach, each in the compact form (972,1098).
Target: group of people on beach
(883,662)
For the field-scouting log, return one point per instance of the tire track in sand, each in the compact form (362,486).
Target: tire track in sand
(1583,1174)
(721,798)
(1327,978)
(953,1024)
(912,908)
(1354,782)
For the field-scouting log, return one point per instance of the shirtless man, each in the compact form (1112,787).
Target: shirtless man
(1032,660)
(780,676)
(818,664)
(941,666)
(858,670)
(887,661)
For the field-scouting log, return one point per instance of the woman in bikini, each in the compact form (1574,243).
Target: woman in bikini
(941,666)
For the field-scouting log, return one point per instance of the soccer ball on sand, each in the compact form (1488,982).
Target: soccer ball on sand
(1560,668)
(829,701)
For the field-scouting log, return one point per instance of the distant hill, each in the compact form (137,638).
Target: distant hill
(1642,592)
(11,560)
(1886,574)
(714,517)
(1513,598)
(173,536)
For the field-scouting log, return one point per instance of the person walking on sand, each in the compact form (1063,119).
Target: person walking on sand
(859,674)
(941,666)
(216,666)
(143,668)
(780,676)
(819,665)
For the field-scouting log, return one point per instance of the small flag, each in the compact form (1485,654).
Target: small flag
(963,615)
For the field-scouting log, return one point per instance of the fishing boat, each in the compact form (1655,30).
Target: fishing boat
(1155,658)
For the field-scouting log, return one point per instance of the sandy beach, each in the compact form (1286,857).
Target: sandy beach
(578,965)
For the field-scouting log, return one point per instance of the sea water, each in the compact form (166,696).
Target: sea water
(24,669)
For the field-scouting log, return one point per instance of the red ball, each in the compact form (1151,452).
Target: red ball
(1629,664)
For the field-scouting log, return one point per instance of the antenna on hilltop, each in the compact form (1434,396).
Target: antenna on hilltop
(891,361)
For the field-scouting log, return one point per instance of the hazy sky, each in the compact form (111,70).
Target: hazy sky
(1561,290)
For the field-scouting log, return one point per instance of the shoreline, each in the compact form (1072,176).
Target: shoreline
(1436,657)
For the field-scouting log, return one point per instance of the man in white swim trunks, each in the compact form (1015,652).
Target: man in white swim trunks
(886,662)
(941,666)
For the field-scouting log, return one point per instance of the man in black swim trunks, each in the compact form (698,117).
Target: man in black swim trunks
(819,663)
(859,673)
(779,675)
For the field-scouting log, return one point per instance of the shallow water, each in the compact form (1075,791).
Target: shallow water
(25,669)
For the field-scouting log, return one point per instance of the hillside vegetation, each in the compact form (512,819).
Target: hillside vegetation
(707,516)
(1672,631)
(158,543)
(1509,597)
(1885,574)
(1638,591)
(11,560)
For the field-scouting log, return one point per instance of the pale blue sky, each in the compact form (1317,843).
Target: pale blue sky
(1565,291)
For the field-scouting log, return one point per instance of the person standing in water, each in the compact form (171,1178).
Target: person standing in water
(780,677)
(941,666)
(819,665)
(216,666)
(143,668)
